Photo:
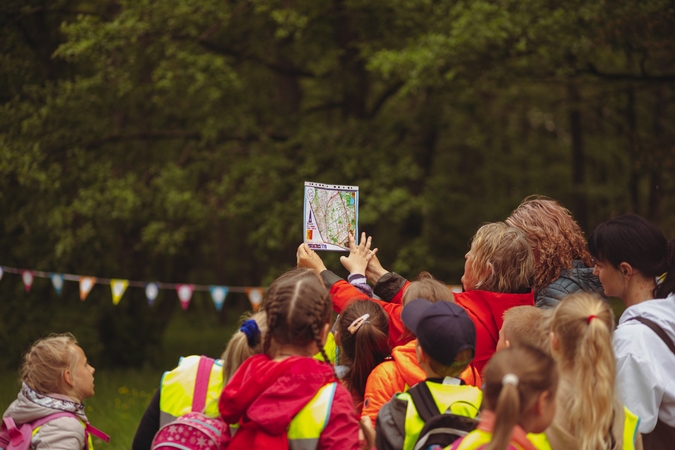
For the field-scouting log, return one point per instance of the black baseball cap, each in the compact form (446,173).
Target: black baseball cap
(443,328)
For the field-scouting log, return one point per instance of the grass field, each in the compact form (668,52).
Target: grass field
(122,395)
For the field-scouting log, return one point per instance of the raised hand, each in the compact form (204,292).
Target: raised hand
(375,271)
(359,255)
(306,257)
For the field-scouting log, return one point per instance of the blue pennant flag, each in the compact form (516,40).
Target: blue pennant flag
(57,282)
(218,294)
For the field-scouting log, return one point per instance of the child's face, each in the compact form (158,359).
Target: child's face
(83,375)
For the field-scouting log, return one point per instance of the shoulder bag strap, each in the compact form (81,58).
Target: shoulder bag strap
(658,330)
(202,383)
(424,401)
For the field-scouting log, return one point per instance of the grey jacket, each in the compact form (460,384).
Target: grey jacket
(63,433)
(578,278)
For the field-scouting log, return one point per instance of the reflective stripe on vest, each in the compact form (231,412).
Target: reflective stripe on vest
(630,429)
(177,389)
(306,427)
(90,443)
(461,400)
(478,439)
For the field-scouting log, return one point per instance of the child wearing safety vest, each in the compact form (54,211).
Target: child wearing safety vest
(56,378)
(284,398)
(590,414)
(519,388)
(446,342)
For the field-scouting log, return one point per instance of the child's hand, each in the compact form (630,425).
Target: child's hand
(308,258)
(366,434)
(359,255)
(375,271)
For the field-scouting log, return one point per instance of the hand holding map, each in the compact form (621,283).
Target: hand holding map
(359,255)
(306,257)
(331,213)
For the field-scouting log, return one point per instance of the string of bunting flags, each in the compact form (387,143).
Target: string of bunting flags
(118,287)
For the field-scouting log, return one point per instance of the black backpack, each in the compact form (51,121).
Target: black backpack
(439,428)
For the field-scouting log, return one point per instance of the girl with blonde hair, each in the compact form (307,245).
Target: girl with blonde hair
(589,416)
(562,263)
(519,391)
(56,378)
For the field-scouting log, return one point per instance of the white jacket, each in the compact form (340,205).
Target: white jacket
(645,378)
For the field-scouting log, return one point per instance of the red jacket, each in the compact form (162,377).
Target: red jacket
(264,395)
(486,309)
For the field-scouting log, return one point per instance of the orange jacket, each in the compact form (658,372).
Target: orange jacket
(399,374)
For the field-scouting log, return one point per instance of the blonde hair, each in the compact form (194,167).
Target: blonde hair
(585,351)
(46,361)
(553,235)
(427,287)
(238,349)
(507,253)
(536,372)
(527,325)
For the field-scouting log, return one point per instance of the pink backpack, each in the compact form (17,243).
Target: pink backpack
(194,430)
(19,438)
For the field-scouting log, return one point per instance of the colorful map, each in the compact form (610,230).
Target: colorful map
(331,212)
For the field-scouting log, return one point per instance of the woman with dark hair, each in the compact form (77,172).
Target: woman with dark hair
(635,262)
(562,264)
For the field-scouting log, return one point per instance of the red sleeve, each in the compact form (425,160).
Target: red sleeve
(342,429)
(341,292)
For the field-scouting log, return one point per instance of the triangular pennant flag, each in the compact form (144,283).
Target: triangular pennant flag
(184,294)
(57,282)
(255,296)
(117,287)
(218,294)
(27,277)
(86,285)
(151,291)
(2,272)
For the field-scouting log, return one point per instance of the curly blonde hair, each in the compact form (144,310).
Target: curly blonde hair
(47,360)
(556,239)
(506,251)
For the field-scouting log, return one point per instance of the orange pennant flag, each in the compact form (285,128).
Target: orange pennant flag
(86,285)
(255,296)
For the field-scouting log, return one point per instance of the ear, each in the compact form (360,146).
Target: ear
(324,333)
(338,338)
(488,273)
(421,356)
(68,377)
(555,341)
(542,401)
(626,270)
(507,343)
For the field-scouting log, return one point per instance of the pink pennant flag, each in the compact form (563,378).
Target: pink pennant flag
(255,296)
(27,277)
(86,285)
(184,294)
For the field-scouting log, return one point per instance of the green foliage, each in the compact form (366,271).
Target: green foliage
(168,140)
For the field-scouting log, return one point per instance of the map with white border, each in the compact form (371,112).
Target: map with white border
(331,212)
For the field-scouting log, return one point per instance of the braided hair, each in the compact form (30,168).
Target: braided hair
(297,308)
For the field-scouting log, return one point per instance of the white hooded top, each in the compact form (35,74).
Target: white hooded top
(645,378)
(63,433)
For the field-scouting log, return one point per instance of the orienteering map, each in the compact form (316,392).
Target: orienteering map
(331,212)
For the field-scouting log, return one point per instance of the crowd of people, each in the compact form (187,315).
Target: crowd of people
(527,356)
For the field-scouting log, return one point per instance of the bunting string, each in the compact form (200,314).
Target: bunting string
(118,287)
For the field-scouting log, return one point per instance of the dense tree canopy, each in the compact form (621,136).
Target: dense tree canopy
(169,140)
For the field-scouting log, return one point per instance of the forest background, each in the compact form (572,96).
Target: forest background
(169,140)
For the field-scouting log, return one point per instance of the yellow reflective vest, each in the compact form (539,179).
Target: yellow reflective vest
(177,389)
(461,400)
(478,438)
(306,427)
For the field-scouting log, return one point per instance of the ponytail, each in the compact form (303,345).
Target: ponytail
(583,325)
(507,414)
(513,381)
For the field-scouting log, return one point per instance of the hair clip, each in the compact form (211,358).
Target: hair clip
(353,328)
(591,317)
(252,332)
(661,278)
(510,378)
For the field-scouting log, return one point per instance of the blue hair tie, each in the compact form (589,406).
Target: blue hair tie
(252,332)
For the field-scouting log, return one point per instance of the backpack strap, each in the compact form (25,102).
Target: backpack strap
(658,330)
(15,436)
(90,429)
(423,400)
(202,384)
